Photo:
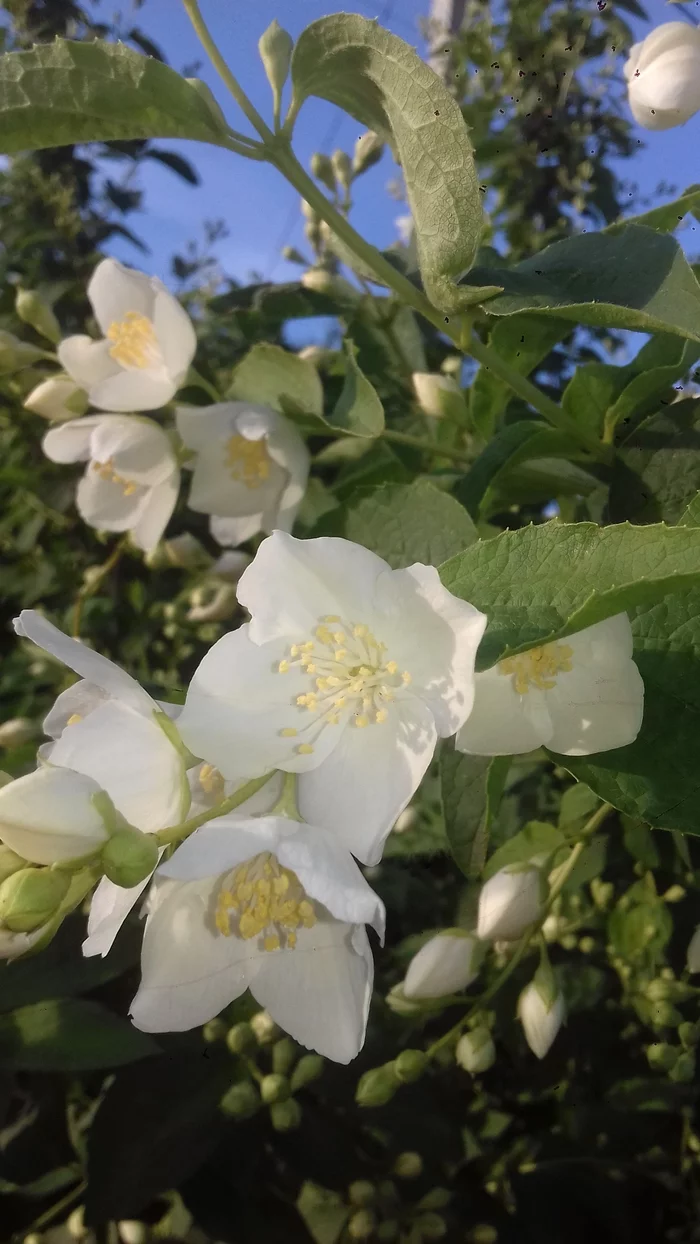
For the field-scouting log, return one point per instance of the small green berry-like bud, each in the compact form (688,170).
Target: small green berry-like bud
(292,255)
(284,1054)
(34,310)
(241,1100)
(684,1070)
(241,1039)
(265,1028)
(308,1069)
(129,856)
(397,1002)
(361,1225)
(30,897)
(688,1033)
(342,167)
(322,169)
(662,1056)
(437,1198)
(15,354)
(408,1165)
(430,1226)
(214,1030)
(10,862)
(377,1087)
(410,1065)
(368,151)
(274,1088)
(275,48)
(285,1116)
(362,1192)
(475,1051)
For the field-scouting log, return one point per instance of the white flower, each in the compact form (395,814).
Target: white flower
(52,815)
(509,903)
(132,478)
(580,695)
(541,1017)
(250,469)
(346,675)
(693,953)
(147,347)
(57,398)
(446,963)
(267,904)
(663,76)
(431,390)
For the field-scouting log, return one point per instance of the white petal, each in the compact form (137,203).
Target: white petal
(109,907)
(214,490)
(106,505)
(189,971)
(287,447)
(445,964)
(71,441)
(134,390)
(115,289)
(509,903)
(139,448)
(77,701)
(49,816)
(434,636)
(198,425)
(503,723)
(292,584)
(234,531)
(84,661)
(88,362)
(369,778)
(599,704)
(320,992)
(667,37)
(156,513)
(127,754)
(540,1024)
(175,333)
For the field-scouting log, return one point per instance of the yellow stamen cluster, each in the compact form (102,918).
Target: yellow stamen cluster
(74,719)
(248,461)
(262,899)
(349,672)
(211,782)
(538,667)
(135,341)
(106,471)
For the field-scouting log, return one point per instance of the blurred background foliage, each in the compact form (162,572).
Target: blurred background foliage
(108,1133)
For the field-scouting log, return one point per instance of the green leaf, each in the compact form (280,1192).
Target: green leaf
(577,804)
(536,841)
(62,970)
(63,92)
(665,218)
(636,279)
(358,410)
(384,84)
(540,583)
(657,471)
(471,789)
(69,1034)
(275,377)
(523,342)
(324,1212)
(406,523)
(288,301)
(691,515)
(514,444)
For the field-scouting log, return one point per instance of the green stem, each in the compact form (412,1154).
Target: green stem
(48,1216)
(177,833)
(193,12)
(86,592)
(198,381)
(523,945)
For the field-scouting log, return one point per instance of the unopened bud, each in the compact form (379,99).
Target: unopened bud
(274,1088)
(265,1028)
(230,565)
(410,1065)
(321,281)
(436,394)
(693,953)
(309,212)
(674,894)
(186,552)
(284,1053)
(34,310)
(368,151)
(430,1226)
(213,606)
(75,1224)
(541,1017)
(361,1225)
(688,1033)
(241,1039)
(408,1165)
(476,1051)
(452,365)
(509,903)
(30,897)
(129,856)
(132,1232)
(285,1116)
(275,48)
(664,1015)
(240,1101)
(448,962)
(214,1030)
(661,990)
(342,167)
(292,255)
(377,1087)
(322,170)
(362,1192)
(405,820)
(397,1002)
(15,354)
(661,1056)
(16,731)
(684,1070)
(308,1069)
(58,398)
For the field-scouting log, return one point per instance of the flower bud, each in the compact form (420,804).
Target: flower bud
(342,167)
(75,1224)
(10,862)
(362,1192)
(541,1014)
(410,1065)
(15,354)
(58,398)
(216,606)
(321,281)
(129,856)
(693,952)
(285,1116)
(16,731)
(230,565)
(509,903)
(265,1028)
(408,1165)
(30,897)
(275,48)
(476,1051)
(684,1070)
(214,1030)
(292,255)
(688,1033)
(308,1069)
(661,1056)
(361,1225)
(397,1002)
(430,1226)
(186,552)
(446,963)
(34,310)
(377,1087)
(322,170)
(368,151)
(661,990)
(274,1088)
(663,76)
(436,394)
(131,1231)
(240,1101)
(241,1039)
(284,1053)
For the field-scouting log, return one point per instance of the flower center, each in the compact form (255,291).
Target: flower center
(106,471)
(211,782)
(538,667)
(248,461)
(135,341)
(262,899)
(348,674)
